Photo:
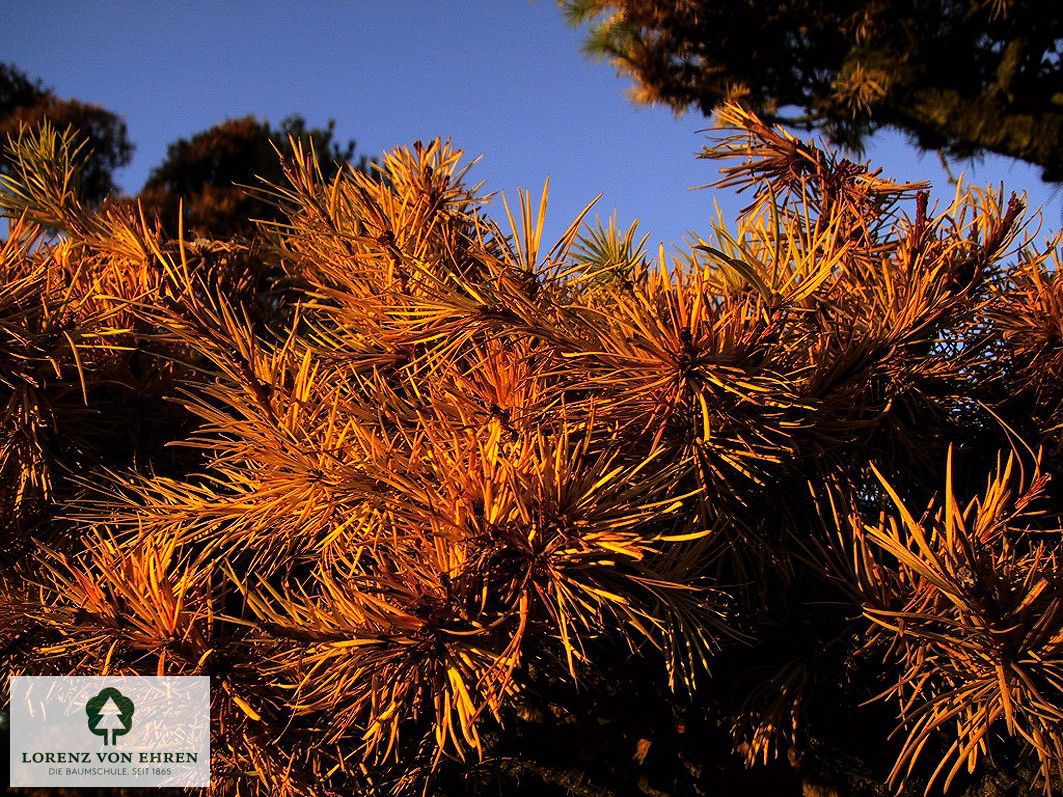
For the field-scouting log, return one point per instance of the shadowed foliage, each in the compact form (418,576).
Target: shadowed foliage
(448,509)
(958,76)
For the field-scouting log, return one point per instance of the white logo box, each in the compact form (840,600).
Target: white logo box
(101,731)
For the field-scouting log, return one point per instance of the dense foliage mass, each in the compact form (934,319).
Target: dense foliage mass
(959,76)
(441,509)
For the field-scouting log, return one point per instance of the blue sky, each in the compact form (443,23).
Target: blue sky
(504,79)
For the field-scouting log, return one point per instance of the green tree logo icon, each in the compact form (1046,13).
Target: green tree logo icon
(110,712)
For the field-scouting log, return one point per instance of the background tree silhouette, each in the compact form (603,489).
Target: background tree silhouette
(25,103)
(959,76)
(211,171)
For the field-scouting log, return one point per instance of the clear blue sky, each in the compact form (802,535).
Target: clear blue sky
(505,79)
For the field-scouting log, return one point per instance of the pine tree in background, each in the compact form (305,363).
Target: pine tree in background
(958,76)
